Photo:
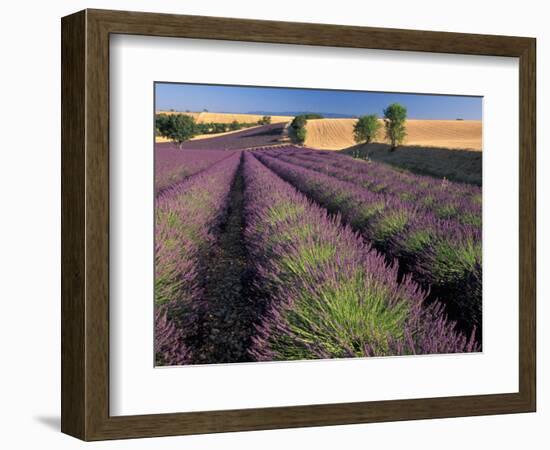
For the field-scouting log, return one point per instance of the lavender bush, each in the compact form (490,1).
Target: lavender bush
(328,293)
(170,346)
(173,165)
(446,200)
(441,254)
(185,216)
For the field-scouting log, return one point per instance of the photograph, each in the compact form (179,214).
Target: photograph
(305,224)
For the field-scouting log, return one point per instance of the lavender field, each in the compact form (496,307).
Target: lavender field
(267,252)
(173,165)
(255,137)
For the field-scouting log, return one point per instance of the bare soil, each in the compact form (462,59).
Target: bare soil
(226,322)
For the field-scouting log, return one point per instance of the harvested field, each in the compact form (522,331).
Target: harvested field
(161,139)
(337,134)
(207,117)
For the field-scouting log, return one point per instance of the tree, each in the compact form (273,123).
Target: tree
(161,121)
(202,128)
(298,122)
(297,130)
(234,125)
(366,128)
(219,127)
(265,120)
(176,127)
(395,116)
(300,135)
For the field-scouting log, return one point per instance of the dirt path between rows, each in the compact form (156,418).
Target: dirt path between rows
(227,320)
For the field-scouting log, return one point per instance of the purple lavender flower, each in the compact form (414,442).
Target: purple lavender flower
(442,255)
(173,165)
(186,217)
(329,294)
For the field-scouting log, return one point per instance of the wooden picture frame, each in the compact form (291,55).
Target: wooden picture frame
(85,224)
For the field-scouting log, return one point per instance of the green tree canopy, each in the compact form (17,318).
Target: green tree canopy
(298,122)
(265,120)
(300,135)
(220,127)
(161,121)
(395,116)
(176,127)
(366,128)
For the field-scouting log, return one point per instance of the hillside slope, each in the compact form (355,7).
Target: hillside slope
(337,134)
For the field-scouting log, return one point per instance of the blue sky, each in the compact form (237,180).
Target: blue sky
(241,99)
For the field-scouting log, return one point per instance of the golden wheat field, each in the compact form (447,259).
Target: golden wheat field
(207,117)
(337,134)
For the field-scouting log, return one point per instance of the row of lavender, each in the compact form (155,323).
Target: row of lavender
(186,215)
(444,199)
(326,293)
(329,294)
(441,255)
(173,165)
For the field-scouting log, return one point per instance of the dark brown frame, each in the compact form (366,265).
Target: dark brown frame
(85,224)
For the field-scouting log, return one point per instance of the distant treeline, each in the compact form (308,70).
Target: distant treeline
(182,127)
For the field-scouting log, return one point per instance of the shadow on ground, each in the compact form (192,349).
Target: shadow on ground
(52,422)
(456,165)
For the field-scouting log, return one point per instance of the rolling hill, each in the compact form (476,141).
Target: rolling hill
(337,134)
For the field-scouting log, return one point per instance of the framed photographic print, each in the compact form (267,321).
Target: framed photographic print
(270,224)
